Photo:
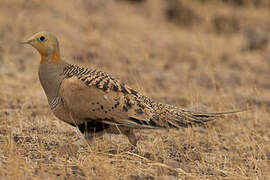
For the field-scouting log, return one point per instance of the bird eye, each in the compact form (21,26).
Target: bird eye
(42,38)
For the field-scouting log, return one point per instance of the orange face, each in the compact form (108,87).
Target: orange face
(47,45)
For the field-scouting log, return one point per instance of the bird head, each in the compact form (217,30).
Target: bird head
(46,44)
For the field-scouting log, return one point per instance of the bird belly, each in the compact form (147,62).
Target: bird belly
(62,113)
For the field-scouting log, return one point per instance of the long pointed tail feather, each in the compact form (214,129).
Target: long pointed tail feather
(185,118)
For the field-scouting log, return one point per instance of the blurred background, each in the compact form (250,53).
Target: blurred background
(204,55)
(185,51)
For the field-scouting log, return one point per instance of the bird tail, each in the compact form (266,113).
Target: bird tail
(173,117)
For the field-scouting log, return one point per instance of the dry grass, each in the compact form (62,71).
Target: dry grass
(203,65)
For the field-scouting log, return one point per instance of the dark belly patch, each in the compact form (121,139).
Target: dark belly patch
(92,127)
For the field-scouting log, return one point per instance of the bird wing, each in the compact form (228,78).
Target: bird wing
(100,97)
(94,95)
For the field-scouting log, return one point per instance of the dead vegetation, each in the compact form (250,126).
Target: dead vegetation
(196,66)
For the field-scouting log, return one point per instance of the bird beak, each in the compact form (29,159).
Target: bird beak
(28,41)
(25,42)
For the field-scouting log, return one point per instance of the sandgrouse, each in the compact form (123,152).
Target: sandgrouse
(96,102)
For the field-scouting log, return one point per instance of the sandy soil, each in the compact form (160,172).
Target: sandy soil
(201,55)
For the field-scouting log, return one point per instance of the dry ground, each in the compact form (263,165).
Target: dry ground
(201,55)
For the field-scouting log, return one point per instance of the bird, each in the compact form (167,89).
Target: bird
(96,102)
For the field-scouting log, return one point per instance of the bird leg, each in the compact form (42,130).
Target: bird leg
(90,137)
(123,130)
(131,136)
